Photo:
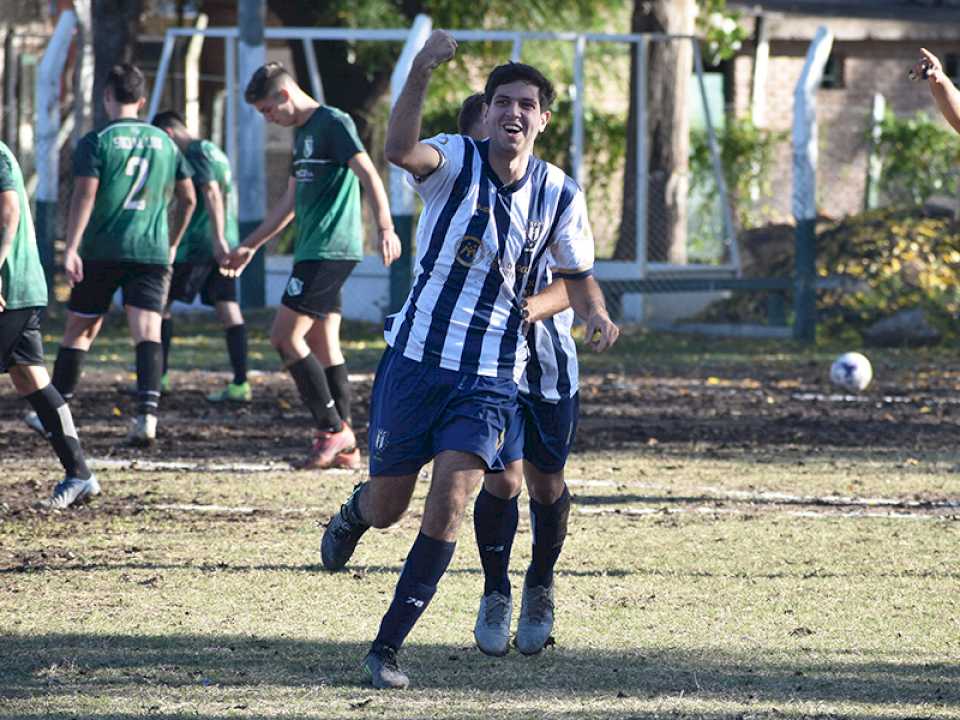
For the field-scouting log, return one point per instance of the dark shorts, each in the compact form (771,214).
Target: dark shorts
(417,411)
(21,342)
(144,286)
(204,278)
(314,286)
(541,432)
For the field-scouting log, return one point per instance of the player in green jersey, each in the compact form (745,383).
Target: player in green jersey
(211,235)
(118,237)
(329,167)
(23,297)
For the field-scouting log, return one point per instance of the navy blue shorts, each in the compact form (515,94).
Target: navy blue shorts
(418,410)
(541,432)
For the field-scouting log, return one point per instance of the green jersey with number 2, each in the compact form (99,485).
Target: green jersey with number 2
(137,166)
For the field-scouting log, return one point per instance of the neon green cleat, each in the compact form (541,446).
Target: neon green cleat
(165,383)
(233,393)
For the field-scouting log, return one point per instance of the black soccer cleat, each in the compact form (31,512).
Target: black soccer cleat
(342,535)
(381,667)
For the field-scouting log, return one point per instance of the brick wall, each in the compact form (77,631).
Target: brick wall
(843,114)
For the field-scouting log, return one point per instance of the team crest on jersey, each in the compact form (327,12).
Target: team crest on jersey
(469,251)
(308,146)
(294,286)
(534,231)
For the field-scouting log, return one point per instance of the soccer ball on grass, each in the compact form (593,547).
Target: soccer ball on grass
(851,371)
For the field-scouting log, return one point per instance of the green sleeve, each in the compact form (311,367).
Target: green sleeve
(86,158)
(202,167)
(345,142)
(7,181)
(184,168)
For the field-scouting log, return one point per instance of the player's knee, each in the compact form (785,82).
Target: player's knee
(545,488)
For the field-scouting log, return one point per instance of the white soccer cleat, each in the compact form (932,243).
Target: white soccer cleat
(143,432)
(72,491)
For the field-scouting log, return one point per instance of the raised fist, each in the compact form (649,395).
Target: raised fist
(439,48)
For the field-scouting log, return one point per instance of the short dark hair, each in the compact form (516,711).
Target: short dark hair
(126,82)
(511,72)
(470,113)
(266,81)
(169,119)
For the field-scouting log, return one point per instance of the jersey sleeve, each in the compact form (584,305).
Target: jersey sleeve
(201,162)
(7,180)
(86,158)
(451,149)
(184,169)
(344,141)
(571,243)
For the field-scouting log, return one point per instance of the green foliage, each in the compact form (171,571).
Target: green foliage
(895,259)
(720,29)
(746,154)
(903,258)
(919,159)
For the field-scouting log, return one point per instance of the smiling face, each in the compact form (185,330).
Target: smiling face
(513,120)
(277,108)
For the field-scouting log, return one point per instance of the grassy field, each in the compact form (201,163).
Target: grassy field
(699,579)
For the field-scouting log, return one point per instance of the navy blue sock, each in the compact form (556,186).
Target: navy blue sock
(307,373)
(55,415)
(549,526)
(149,371)
(425,565)
(66,371)
(166,337)
(237,350)
(495,525)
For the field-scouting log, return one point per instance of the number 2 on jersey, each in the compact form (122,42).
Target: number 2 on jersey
(139,166)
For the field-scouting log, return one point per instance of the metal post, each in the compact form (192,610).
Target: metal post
(251,163)
(191,77)
(401,194)
(48,126)
(874,161)
(83,73)
(576,140)
(729,232)
(162,68)
(316,83)
(805,185)
(643,161)
(11,61)
(230,115)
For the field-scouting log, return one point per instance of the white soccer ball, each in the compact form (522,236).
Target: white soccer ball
(851,371)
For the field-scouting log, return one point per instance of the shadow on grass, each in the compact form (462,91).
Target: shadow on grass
(37,665)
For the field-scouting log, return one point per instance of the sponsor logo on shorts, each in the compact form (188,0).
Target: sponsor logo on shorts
(383,437)
(294,286)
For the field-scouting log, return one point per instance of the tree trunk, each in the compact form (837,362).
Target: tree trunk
(115,27)
(669,66)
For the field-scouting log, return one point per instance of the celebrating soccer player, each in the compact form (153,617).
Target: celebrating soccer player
(447,382)
(23,296)
(209,237)
(117,237)
(324,194)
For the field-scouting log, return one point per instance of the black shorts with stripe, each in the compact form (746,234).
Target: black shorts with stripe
(21,342)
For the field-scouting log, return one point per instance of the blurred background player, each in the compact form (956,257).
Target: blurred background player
(118,237)
(329,166)
(23,297)
(537,442)
(209,237)
(447,381)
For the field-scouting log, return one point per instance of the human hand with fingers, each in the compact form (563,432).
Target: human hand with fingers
(439,48)
(389,246)
(73,266)
(928,67)
(601,332)
(234,263)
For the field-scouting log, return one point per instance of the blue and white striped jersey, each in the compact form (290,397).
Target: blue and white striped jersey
(478,242)
(552,370)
